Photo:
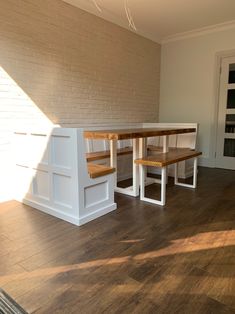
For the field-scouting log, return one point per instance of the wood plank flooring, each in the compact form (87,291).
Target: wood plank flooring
(139,259)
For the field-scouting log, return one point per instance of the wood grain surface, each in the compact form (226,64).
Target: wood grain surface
(106,154)
(96,171)
(164,159)
(140,258)
(123,134)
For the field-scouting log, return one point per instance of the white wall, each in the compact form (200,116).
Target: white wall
(187,94)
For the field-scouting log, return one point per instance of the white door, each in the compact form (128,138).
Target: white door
(225,148)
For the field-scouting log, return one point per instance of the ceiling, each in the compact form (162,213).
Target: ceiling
(160,20)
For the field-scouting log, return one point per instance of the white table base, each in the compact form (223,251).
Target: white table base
(139,151)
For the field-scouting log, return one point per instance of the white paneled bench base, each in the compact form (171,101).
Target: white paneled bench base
(52,175)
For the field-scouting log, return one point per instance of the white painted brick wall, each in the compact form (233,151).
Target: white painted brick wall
(59,64)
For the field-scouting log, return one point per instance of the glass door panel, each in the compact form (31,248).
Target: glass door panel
(229,147)
(230,123)
(231,79)
(225,148)
(231,99)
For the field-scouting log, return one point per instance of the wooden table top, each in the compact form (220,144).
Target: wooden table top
(124,134)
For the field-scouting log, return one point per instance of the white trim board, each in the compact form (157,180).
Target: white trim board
(206,162)
(199,32)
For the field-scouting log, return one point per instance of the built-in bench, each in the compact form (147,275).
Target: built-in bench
(52,175)
(162,160)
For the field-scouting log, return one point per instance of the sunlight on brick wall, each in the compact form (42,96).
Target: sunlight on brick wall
(62,64)
(17,110)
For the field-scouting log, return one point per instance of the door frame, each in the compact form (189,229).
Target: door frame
(216,93)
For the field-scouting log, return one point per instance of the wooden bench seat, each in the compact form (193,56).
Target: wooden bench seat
(106,154)
(162,160)
(96,171)
(174,155)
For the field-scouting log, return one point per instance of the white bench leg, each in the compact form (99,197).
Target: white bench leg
(113,159)
(194,185)
(163,185)
(142,181)
(162,202)
(134,189)
(143,153)
(166,150)
(195,173)
(135,168)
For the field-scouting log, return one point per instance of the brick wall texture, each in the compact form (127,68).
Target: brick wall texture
(62,65)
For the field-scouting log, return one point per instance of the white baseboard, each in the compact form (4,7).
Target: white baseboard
(50,210)
(98,213)
(206,162)
(6,179)
(69,218)
(5,198)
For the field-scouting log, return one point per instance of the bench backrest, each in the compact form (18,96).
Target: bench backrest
(180,140)
(50,166)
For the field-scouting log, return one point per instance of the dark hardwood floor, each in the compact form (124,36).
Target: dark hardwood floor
(139,259)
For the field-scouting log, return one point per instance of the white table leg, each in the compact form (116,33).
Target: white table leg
(130,190)
(142,147)
(113,158)
(165,143)
(143,153)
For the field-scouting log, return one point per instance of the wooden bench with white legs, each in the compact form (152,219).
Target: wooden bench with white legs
(155,145)
(162,160)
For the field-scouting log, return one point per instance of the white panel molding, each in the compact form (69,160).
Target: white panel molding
(66,181)
(206,162)
(199,32)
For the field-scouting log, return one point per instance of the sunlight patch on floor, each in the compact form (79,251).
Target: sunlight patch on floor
(132,241)
(176,247)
